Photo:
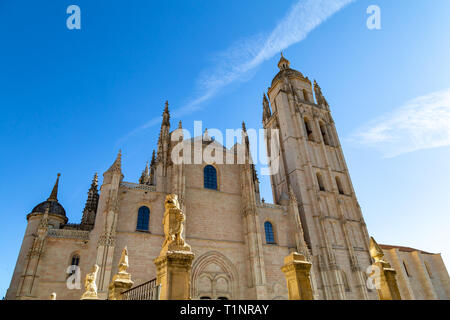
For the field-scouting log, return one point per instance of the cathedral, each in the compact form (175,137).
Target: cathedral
(238,239)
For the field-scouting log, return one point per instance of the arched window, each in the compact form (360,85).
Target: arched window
(320,182)
(210,177)
(75,260)
(309,132)
(324,133)
(74,263)
(406,269)
(339,186)
(143,219)
(270,237)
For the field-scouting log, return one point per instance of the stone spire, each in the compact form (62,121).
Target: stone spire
(117,165)
(145,177)
(284,63)
(90,208)
(153,159)
(266,108)
(54,194)
(321,101)
(164,134)
(180,125)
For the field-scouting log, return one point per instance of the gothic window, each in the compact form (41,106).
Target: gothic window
(74,263)
(324,133)
(309,132)
(75,260)
(406,269)
(339,186)
(270,237)
(210,177)
(143,219)
(320,182)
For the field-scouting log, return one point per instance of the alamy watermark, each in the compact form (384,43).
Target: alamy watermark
(374,20)
(210,147)
(74,20)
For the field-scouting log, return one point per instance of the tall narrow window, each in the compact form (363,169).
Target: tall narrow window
(270,237)
(339,185)
(324,133)
(75,260)
(309,132)
(74,263)
(406,269)
(320,182)
(210,177)
(143,219)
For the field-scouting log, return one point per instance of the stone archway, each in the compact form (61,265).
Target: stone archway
(214,277)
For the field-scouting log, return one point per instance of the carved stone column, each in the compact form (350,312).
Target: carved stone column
(297,271)
(388,288)
(386,285)
(174,275)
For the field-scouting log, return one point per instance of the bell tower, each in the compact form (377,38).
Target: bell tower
(312,167)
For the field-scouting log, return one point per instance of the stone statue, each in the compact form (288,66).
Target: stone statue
(173,222)
(90,285)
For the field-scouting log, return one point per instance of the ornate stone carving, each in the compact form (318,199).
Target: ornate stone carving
(122,280)
(90,285)
(173,222)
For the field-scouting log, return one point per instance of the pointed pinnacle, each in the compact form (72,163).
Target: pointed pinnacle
(243,127)
(180,125)
(54,194)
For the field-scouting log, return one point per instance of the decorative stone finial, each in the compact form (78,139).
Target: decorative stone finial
(375,251)
(54,194)
(284,63)
(117,165)
(53,296)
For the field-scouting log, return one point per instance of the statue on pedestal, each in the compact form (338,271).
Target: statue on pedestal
(90,285)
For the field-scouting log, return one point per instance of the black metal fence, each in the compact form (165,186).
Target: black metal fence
(146,291)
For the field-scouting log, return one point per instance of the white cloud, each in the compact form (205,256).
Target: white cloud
(237,61)
(421,123)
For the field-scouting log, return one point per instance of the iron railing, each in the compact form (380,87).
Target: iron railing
(146,291)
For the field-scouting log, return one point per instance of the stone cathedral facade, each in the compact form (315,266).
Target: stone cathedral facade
(239,241)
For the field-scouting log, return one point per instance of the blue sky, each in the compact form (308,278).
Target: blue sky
(70,99)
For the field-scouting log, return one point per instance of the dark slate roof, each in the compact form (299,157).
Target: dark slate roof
(54,207)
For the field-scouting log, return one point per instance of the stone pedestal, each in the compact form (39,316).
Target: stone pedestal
(297,271)
(388,288)
(119,284)
(174,274)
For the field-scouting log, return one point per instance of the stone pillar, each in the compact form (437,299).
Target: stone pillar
(122,279)
(386,285)
(388,288)
(174,275)
(297,271)
(175,259)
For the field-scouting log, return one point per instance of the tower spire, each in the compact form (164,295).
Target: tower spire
(54,194)
(284,63)
(90,208)
(145,175)
(266,108)
(117,165)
